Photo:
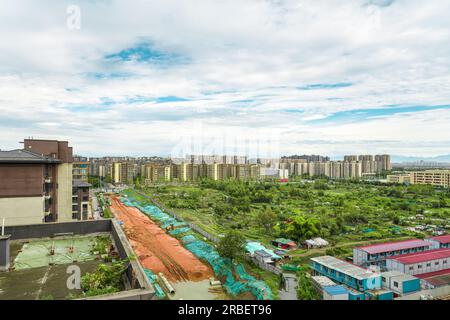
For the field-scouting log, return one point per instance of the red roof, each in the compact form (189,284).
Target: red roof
(442,239)
(394,246)
(432,274)
(422,256)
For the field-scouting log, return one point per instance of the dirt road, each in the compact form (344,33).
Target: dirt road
(156,249)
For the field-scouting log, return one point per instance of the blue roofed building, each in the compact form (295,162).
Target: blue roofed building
(346,273)
(335,292)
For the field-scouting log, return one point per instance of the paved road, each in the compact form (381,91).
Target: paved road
(289,292)
(95,207)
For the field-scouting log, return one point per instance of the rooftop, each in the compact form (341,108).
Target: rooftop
(422,256)
(323,281)
(398,275)
(394,246)
(25,156)
(442,239)
(433,274)
(81,184)
(334,290)
(344,267)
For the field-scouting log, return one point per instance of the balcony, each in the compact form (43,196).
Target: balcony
(48,180)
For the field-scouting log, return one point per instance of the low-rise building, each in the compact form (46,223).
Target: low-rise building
(399,282)
(439,178)
(346,273)
(420,262)
(376,254)
(442,241)
(399,178)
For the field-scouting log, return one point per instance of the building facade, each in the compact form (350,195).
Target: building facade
(420,262)
(36,183)
(376,254)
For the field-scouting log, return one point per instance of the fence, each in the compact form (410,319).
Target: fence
(193,226)
(260,264)
(266,266)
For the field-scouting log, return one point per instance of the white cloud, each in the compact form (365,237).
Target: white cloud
(242,65)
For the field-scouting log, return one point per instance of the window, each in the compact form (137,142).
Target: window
(428,264)
(444,262)
(396,284)
(436,263)
(411,268)
(419,266)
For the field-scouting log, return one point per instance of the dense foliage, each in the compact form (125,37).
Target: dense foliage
(337,210)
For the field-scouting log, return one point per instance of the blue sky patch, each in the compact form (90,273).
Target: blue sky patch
(368,114)
(322,86)
(146,53)
(170,99)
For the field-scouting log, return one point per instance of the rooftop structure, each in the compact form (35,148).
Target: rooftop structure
(25,156)
(423,256)
(376,254)
(393,246)
(440,241)
(344,267)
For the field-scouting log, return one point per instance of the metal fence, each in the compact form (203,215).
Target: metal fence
(260,264)
(191,225)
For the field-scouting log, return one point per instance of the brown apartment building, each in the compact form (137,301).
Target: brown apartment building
(36,183)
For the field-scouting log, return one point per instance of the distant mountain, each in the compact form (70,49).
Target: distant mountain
(399,159)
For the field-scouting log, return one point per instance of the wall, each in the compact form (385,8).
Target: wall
(21,180)
(21,211)
(64,192)
(35,231)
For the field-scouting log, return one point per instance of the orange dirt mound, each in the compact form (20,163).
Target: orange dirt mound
(156,249)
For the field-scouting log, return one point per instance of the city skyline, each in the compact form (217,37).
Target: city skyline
(133,84)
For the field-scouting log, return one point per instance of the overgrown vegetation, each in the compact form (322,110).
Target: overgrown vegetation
(305,290)
(340,211)
(107,278)
(231,246)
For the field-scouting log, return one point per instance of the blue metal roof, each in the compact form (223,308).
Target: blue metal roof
(335,290)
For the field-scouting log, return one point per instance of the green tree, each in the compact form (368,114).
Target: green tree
(303,228)
(266,219)
(305,290)
(232,245)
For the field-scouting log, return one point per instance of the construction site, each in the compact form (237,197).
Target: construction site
(180,263)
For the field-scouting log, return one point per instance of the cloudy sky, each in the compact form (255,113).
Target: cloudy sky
(247,76)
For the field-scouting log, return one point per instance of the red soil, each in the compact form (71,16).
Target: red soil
(156,249)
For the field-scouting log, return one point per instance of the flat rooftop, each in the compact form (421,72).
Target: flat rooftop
(344,267)
(422,256)
(398,275)
(394,246)
(38,274)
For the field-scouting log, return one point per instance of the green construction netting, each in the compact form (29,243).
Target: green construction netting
(179,231)
(154,212)
(153,280)
(243,282)
(68,250)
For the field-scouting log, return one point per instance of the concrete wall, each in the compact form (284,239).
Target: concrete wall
(22,210)
(135,273)
(65,192)
(36,231)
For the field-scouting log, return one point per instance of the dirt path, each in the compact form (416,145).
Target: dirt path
(156,249)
